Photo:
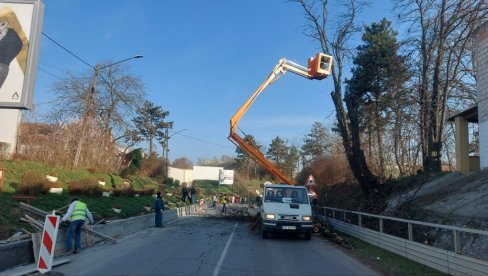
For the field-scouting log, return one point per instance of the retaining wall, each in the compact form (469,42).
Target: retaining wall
(22,252)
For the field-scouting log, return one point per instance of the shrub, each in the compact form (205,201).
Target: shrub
(159,170)
(124,190)
(53,173)
(56,185)
(86,186)
(34,183)
(148,190)
(74,188)
(134,159)
(149,167)
(124,173)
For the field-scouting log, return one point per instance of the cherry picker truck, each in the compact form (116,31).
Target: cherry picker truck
(318,68)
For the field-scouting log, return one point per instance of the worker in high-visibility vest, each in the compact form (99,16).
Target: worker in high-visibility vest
(224,203)
(76,215)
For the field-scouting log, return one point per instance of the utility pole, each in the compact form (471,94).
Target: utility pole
(90,107)
(89,112)
(166,144)
(166,150)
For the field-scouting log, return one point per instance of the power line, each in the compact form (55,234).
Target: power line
(203,141)
(49,73)
(64,48)
(51,66)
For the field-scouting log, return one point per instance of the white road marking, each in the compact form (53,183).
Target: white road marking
(224,253)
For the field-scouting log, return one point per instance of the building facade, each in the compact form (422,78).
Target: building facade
(481,71)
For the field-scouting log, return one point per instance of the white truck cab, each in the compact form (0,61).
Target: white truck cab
(286,208)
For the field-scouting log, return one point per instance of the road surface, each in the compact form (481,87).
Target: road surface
(208,246)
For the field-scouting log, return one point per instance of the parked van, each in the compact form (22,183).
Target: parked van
(286,208)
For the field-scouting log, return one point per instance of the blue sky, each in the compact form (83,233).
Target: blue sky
(202,60)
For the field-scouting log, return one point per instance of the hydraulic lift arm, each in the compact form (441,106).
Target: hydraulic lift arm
(318,68)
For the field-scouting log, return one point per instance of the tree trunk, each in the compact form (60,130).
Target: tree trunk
(435,131)
(355,155)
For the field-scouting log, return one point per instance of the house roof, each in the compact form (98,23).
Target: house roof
(470,115)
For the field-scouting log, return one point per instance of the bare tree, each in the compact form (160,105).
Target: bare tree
(182,163)
(119,94)
(100,103)
(342,29)
(440,32)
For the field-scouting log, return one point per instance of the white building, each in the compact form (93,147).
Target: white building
(476,114)
(225,177)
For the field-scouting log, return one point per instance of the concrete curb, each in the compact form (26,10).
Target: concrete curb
(18,253)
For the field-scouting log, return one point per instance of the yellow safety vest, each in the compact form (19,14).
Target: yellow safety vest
(79,212)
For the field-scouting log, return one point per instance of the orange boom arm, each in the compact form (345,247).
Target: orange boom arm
(318,68)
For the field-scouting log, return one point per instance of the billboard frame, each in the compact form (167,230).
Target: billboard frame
(27,93)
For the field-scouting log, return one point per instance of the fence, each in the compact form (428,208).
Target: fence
(374,230)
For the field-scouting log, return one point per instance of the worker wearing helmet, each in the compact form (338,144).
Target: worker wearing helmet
(76,215)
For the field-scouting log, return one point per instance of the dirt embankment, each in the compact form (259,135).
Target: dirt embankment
(459,197)
(453,199)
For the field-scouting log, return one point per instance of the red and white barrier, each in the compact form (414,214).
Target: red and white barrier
(48,243)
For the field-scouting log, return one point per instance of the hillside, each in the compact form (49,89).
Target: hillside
(453,199)
(133,193)
(464,197)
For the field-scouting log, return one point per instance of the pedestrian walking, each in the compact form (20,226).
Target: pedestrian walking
(193,193)
(76,215)
(158,210)
(184,192)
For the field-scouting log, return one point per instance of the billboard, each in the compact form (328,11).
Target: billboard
(226,177)
(20,29)
(206,173)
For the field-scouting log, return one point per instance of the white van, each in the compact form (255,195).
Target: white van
(286,208)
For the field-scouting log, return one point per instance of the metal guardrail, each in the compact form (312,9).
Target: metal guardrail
(447,261)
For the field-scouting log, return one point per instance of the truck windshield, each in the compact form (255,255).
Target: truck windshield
(286,195)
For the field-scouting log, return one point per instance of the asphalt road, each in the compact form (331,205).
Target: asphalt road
(205,246)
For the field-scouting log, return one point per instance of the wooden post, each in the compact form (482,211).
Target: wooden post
(360,223)
(381,225)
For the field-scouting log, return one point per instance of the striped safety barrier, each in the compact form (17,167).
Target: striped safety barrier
(48,243)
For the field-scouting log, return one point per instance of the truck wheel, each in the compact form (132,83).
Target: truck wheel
(308,236)
(316,228)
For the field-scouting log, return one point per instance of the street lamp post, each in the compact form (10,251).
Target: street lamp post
(89,105)
(166,146)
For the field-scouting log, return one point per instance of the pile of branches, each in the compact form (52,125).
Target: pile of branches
(334,237)
(236,212)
